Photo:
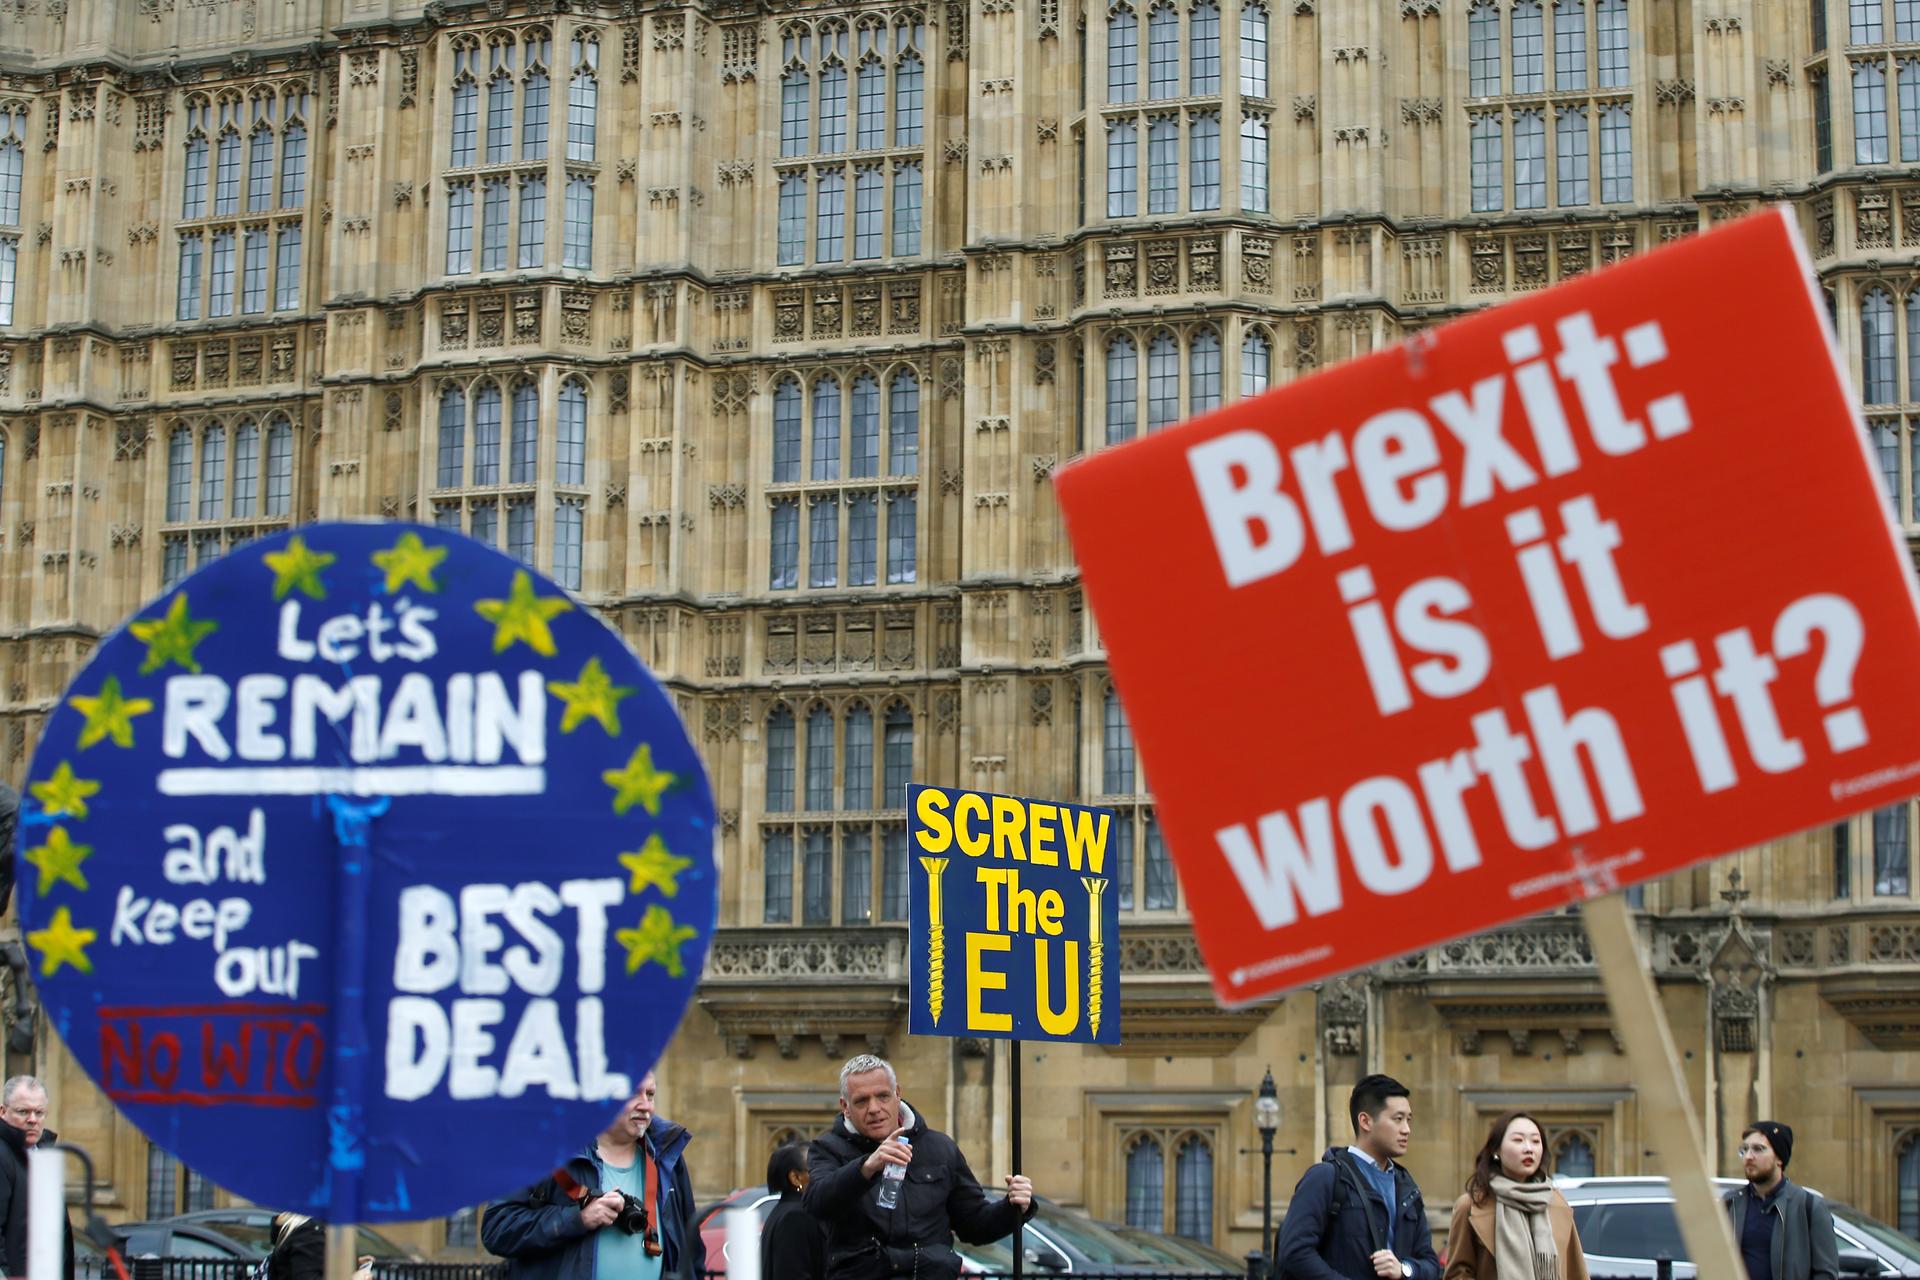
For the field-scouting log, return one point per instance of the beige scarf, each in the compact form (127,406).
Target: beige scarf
(1522,1233)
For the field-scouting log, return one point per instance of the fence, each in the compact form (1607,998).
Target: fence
(96,1267)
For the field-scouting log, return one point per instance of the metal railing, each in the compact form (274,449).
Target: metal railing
(96,1267)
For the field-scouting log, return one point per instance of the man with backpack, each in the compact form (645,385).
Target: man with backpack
(1358,1214)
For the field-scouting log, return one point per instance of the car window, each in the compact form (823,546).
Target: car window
(372,1242)
(1883,1235)
(1091,1240)
(1631,1229)
(256,1238)
(185,1246)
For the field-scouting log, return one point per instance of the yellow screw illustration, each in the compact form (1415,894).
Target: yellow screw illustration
(936,939)
(1096,890)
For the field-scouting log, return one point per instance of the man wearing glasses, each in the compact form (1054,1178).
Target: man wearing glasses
(1785,1231)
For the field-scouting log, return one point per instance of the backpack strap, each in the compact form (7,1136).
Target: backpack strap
(1346,1171)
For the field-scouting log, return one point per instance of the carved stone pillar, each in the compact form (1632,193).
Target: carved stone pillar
(1341,1011)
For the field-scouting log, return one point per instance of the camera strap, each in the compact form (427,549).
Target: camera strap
(650,1181)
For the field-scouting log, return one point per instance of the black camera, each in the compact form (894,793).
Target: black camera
(632,1218)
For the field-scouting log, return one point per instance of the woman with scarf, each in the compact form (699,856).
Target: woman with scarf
(1512,1224)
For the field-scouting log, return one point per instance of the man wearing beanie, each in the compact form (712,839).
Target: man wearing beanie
(1785,1231)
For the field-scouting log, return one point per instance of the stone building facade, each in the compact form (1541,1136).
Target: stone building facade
(763,326)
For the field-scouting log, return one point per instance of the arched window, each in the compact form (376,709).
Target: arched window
(1116,747)
(1254,167)
(777,877)
(857,778)
(453,438)
(583,100)
(533,115)
(1256,363)
(903,425)
(1203,372)
(1907,1183)
(279,466)
(193,200)
(1123,365)
(260,170)
(213,473)
(1123,56)
(826,428)
(1193,1189)
(1877,345)
(1163,891)
(823,538)
(817,878)
(1203,54)
(1483,49)
(902,537)
(500,105)
(1163,51)
(246,468)
(180,474)
(576,241)
(1253,50)
(871,130)
(856,876)
(293,167)
(1869,113)
(570,452)
(796,88)
(909,92)
(833,108)
(863,538)
(1573,1157)
(864,457)
(486,434)
(786,431)
(1163,164)
(466,123)
(523,450)
(1163,382)
(1203,161)
(1123,168)
(1146,1185)
(226,182)
(820,758)
(780,761)
(896,757)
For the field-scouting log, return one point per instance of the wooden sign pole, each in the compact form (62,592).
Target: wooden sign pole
(1655,1068)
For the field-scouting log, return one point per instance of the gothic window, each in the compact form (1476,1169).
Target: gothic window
(1203,372)
(220,287)
(819,780)
(830,216)
(1163,382)
(1573,1155)
(1163,164)
(459,228)
(1203,161)
(856,892)
(534,111)
(1529,160)
(452,448)
(894,874)
(1906,19)
(792,236)
(1253,50)
(1907,72)
(583,98)
(180,474)
(906,208)
(500,101)
(896,757)
(1842,840)
(1907,1183)
(1193,1190)
(260,169)
(784,558)
(817,878)
(1869,113)
(902,538)
(1488,171)
(1256,363)
(1162,889)
(863,534)
(857,775)
(1892,851)
(1528,48)
(823,540)
(872,124)
(577,246)
(520,529)
(826,428)
(193,200)
(1116,747)
(226,180)
(570,452)
(462,146)
(1610,18)
(903,425)
(1146,1185)
(1886,444)
(1569,44)
(1571,155)
(778,877)
(1163,51)
(279,466)
(1123,55)
(795,89)
(484,522)
(1817,22)
(523,447)
(863,454)
(1123,175)
(533,220)
(213,473)
(1864,22)
(1203,65)
(495,197)
(286,271)
(486,434)
(9,274)
(293,167)
(1822,121)
(869,199)
(909,90)
(1616,154)
(833,108)
(1483,49)
(1877,346)
(253,272)
(1253,162)
(780,761)
(246,468)
(1122,379)
(786,431)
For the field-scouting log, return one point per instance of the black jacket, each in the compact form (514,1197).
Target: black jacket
(1804,1247)
(939,1197)
(299,1254)
(540,1234)
(792,1244)
(1334,1225)
(13,1201)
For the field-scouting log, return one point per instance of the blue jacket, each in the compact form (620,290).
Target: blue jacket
(540,1234)
(1335,1223)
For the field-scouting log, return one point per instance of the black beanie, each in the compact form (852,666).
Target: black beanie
(1778,1136)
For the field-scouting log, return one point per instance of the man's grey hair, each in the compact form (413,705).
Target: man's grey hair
(859,1066)
(15,1084)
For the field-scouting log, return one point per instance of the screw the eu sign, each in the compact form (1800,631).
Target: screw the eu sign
(1013,908)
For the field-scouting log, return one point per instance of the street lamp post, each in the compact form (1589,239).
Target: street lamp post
(1266,1114)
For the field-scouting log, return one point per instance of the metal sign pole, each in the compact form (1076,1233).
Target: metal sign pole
(1019,1226)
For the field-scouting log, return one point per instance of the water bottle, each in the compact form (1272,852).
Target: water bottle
(891,1177)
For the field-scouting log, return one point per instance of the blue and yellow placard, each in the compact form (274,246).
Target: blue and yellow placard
(366,871)
(1012,914)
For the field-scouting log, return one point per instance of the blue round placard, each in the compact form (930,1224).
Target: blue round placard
(366,871)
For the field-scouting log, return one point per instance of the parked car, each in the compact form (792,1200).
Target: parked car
(1064,1241)
(1179,1251)
(1625,1224)
(250,1233)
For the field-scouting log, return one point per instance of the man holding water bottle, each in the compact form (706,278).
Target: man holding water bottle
(892,1191)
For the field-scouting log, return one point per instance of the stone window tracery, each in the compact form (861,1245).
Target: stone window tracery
(240,252)
(485,467)
(496,217)
(218,493)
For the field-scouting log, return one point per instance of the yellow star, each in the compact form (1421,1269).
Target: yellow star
(638,781)
(657,939)
(60,943)
(63,794)
(59,859)
(109,715)
(653,865)
(522,616)
(410,560)
(591,697)
(172,637)
(298,566)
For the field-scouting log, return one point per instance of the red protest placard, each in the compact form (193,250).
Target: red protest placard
(1580,591)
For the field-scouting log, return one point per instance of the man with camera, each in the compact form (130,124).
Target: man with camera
(621,1210)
